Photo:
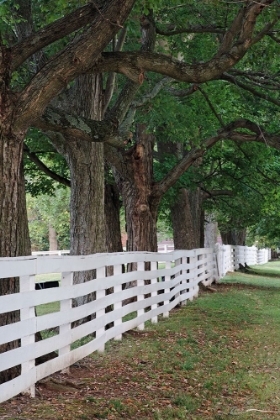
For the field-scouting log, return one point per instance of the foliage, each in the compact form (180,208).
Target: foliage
(251,174)
(37,181)
(184,119)
(45,211)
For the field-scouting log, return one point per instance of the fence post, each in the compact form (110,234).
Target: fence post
(27,283)
(166,290)
(118,305)
(65,305)
(217,256)
(140,282)
(100,272)
(184,261)
(193,277)
(177,263)
(154,293)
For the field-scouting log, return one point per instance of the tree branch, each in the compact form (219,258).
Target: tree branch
(182,93)
(110,84)
(216,193)
(233,80)
(52,32)
(80,56)
(146,98)
(226,133)
(131,87)
(73,126)
(192,29)
(174,174)
(76,58)
(211,106)
(34,158)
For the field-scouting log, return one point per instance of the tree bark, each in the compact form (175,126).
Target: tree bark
(86,163)
(141,207)
(112,216)
(52,239)
(188,220)
(112,225)
(87,223)
(14,238)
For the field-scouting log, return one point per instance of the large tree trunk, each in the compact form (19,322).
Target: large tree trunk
(112,225)
(141,208)
(14,238)
(112,215)
(188,220)
(86,163)
(87,226)
(141,220)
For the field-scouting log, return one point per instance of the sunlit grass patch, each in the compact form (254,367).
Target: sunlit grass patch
(48,308)
(262,280)
(48,277)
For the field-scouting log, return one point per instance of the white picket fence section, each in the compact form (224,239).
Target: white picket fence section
(230,256)
(160,282)
(155,293)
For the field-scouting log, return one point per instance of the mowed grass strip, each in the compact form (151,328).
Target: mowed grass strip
(216,358)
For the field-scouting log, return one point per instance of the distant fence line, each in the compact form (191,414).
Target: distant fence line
(160,282)
(230,256)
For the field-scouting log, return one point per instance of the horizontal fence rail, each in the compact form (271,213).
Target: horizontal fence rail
(125,291)
(228,257)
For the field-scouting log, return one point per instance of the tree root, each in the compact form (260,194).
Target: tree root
(233,413)
(207,288)
(53,384)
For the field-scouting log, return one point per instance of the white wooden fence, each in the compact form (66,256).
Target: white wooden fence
(160,282)
(157,291)
(230,256)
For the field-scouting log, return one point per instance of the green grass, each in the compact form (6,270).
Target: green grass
(271,268)
(48,277)
(48,307)
(265,275)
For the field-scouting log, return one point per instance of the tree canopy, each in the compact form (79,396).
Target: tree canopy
(228,45)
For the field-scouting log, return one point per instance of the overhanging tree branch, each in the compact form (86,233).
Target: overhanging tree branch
(76,58)
(226,133)
(82,55)
(34,158)
(211,106)
(80,128)
(233,80)
(191,29)
(52,32)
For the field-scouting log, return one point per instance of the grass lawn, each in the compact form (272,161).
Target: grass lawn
(48,307)
(268,275)
(216,358)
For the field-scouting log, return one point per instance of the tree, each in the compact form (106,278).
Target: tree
(50,72)
(22,109)
(249,175)
(239,27)
(47,214)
